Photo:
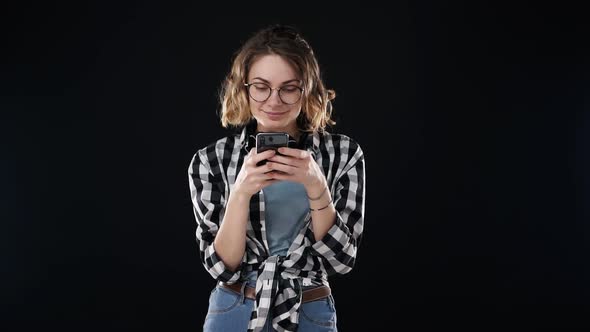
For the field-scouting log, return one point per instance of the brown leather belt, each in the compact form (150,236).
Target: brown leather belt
(308,295)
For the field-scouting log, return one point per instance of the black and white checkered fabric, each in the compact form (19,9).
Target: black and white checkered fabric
(212,173)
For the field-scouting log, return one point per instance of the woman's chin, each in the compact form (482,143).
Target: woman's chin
(272,125)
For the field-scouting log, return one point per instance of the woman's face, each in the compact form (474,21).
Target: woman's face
(274,114)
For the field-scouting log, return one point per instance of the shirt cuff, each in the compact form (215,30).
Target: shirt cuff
(334,241)
(217,268)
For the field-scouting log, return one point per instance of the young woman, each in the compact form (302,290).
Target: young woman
(271,235)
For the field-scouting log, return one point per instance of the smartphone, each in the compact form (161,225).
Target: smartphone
(270,141)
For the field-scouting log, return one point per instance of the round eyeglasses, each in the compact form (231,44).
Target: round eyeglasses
(260,92)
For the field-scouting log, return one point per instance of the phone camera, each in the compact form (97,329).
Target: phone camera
(270,138)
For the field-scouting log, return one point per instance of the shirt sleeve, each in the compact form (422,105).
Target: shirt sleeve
(209,207)
(338,247)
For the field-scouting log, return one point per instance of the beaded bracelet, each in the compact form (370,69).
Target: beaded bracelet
(321,207)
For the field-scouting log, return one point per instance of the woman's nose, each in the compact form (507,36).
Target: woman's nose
(274,98)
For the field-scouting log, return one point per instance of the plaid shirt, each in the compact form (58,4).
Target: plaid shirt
(212,173)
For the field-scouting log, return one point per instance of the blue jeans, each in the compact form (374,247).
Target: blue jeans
(230,311)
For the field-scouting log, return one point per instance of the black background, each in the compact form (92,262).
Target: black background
(472,118)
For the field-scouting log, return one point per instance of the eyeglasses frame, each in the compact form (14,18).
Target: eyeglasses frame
(247,85)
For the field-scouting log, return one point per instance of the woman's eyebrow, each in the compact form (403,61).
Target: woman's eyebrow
(266,81)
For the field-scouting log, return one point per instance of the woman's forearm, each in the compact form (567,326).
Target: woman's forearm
(230,241)
(323,212)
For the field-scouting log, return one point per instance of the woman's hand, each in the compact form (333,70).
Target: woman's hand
(298,166)
(251,178)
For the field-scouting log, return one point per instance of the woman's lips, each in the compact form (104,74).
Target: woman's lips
(274,115)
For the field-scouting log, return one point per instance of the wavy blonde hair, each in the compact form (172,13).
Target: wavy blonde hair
(285,41)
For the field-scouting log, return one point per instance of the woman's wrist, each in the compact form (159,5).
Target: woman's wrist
(319,207)
(321,200)
(317,191)
(240,197)
(318,196)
